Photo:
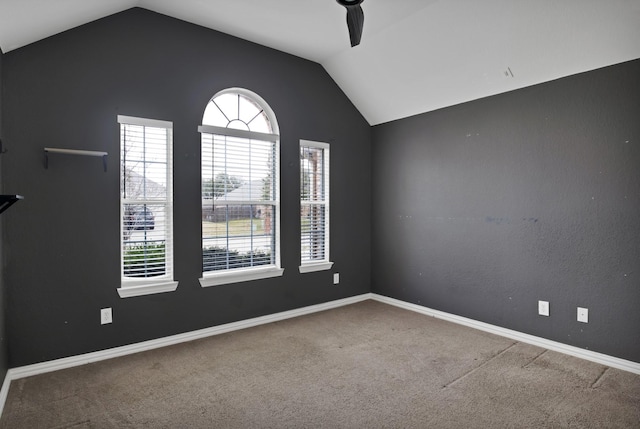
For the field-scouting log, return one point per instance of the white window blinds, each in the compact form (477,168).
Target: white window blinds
(314,205)
(240,189)
(146,207)
(239,202)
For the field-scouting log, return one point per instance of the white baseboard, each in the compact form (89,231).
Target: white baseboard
(58,364)
(4,392)
(589,355)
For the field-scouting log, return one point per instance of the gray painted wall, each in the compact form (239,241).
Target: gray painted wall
(480,209)
(62,241)
(4,344)
(484,208)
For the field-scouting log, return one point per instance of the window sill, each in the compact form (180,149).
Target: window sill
(315,266)
(222,278)
(147,289)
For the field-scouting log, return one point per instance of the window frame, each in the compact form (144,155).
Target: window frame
(324,263)
(242,274)
(130,287)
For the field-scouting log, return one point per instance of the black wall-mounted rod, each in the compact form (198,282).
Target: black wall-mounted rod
(7,201)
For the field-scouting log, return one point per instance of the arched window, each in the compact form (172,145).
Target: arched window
(242,110)
(240,189)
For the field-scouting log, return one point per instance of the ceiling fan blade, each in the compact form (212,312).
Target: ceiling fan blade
(355,19)
(355,22)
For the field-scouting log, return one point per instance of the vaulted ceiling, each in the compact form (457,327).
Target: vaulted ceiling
(415,56)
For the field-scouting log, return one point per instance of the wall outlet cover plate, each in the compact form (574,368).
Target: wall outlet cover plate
(583,315)
(106,316)
(543,308)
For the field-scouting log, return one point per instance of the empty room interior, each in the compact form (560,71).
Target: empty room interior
(419,194)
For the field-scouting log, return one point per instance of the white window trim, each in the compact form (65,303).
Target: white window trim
(139,287)
(146,289)
(218,278)
(243,134)
(154,123)
(326,264)
(311,267)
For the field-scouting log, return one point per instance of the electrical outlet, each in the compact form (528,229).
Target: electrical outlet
(336,278)
(543,308)
(583,315)
(106,316)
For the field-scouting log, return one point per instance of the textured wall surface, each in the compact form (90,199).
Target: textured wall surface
(62,242)
(484,208)
(479,210)
(4,343)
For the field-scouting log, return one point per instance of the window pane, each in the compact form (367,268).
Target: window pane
(214,116)
(313,232)
(237,236)
(314,202)
(132,148)
(228,104)
(238,169)
(145,259)
(144,233)
(239,186)
(156,184)
(248,110)
(146,228)
(312,174)
(237,111)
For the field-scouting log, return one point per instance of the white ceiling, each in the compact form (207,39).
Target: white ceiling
(415,56)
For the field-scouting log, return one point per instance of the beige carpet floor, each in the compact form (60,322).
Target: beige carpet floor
(367,365)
